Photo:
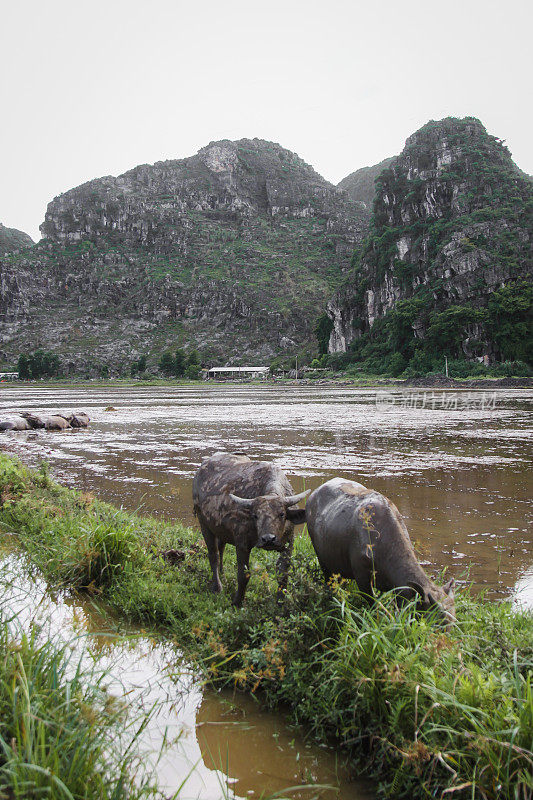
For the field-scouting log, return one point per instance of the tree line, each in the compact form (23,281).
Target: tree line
(38,365)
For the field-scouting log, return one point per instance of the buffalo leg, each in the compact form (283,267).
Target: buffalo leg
(212,552)
(221,546)
(243,575)
(282,567)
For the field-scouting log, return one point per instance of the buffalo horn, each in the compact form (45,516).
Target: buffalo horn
(243,502)
(294,499)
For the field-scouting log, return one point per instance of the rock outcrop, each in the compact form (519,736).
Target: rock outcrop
(11,239)
(233,252)
(451,225)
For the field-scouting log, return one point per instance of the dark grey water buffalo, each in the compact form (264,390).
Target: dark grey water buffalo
(56,422)
(247,504)
(51,422)
(358,533)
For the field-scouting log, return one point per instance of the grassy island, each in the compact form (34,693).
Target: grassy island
(425,712)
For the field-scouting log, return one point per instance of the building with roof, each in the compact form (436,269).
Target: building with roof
(237,372)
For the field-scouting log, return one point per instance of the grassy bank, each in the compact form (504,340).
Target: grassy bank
(59,729)
(347,379)
(427,713)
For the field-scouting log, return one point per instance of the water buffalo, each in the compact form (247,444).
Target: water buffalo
(33,420)
(358,533)
(56,422)
(78,420)
(14,424)
(247,504)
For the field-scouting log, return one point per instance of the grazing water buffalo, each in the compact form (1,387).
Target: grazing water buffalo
(358,533)
(247,504)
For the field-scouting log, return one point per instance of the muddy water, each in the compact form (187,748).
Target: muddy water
(211,742)
(456,463)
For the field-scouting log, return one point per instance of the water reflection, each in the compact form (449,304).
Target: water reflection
(194,724)
(247,762)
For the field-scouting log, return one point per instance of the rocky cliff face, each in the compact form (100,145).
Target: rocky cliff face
(233,251)
(11,239)
(452,224)
(360,185)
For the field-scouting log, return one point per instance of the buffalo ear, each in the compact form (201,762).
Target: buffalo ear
(448,588)
(432,600)
(296,515)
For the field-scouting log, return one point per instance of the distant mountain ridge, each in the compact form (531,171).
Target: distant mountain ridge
(245,253)
(360,185)
(12,239)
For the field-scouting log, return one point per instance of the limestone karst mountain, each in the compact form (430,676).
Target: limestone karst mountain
(239,250)
(360,185)
(447,264)
(234,252)
(11,239)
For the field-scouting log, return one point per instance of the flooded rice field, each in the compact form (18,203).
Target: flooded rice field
(456,463)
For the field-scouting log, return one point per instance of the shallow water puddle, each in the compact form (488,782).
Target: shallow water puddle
(213,741)
(456,463)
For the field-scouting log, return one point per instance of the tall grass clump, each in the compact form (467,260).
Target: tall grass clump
(453,709)
(59,729)
(427,712)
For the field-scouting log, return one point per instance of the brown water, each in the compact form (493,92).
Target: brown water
(457,464)
(217,744)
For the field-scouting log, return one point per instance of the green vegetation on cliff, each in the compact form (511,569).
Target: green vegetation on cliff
(393,347)
(446,268)
(423,710)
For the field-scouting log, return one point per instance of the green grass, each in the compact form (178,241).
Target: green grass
(425,712)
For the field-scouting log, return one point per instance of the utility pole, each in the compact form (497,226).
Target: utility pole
(446,359)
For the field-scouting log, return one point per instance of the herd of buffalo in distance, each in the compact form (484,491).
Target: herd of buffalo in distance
(26,421)
(356,532)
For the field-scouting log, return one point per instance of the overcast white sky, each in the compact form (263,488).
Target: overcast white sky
(91,88)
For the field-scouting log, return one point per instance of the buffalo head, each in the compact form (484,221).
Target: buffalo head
(438,598)
(269,515)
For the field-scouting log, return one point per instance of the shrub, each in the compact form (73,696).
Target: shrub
(323,329)
(138,366)
(38,365)
(192,372)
